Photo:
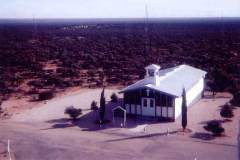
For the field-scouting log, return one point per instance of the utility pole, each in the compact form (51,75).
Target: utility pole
(146,43)
(238,138)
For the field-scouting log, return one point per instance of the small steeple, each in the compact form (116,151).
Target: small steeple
(152,74)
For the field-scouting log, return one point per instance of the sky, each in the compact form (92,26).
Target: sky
(118,8)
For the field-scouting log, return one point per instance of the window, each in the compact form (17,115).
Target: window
(151,103)
(126,98)
(158,99)
(138,97)
(164,103)
(132,97)
(144,102)
(151,72)
(170,101)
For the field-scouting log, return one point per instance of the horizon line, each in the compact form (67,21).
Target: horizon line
(122,18)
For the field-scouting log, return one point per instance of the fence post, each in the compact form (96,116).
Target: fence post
(238,138)
(9,150)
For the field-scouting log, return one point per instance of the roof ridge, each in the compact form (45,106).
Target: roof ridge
(171,80)
(172,72)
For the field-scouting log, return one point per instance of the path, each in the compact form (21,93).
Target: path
(33,142)
(138,128)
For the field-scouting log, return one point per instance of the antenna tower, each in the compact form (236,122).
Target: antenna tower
(35,36)
(222,30)
(35,28)
(146,40)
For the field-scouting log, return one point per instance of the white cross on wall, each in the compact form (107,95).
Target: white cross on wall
(148,92)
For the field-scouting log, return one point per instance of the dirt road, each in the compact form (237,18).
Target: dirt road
(34,141)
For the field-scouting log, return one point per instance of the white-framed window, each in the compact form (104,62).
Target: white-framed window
(151,72)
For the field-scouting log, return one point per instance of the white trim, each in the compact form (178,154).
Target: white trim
(120,108)
(127,106)
(149,111)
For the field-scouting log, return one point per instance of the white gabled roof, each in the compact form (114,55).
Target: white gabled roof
(153,66)
(119,108)
(172,80)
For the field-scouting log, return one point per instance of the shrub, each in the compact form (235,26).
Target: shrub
(59,70)
(1,104)
(5,97)
(215,127)
(33,91)
(219,82)
(73,112)
(36,83)
(77,82)
(94,105)
(113,80)
(114,97)
(226,111)
(236,99)
(69,83)
(91,73)
(45,95)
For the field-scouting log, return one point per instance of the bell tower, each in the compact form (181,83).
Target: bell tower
(152,74)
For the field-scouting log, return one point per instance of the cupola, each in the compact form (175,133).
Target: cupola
(152,74)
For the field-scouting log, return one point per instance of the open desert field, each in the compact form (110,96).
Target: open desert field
(71,59)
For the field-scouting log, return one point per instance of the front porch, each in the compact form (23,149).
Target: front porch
(146,102)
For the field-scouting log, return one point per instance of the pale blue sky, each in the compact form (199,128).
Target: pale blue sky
(118,8)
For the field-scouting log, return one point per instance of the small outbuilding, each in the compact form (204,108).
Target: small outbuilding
(119,112)
(160,93)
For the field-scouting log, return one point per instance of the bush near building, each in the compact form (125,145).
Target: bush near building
(215,127)
(94,105)
(73,112)
(236,99)
(226,111)
(114,97)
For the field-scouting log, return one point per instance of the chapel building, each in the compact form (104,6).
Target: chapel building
(160,93)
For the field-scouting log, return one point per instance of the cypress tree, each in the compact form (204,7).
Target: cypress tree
(184,109)
(102,105)
(0,106)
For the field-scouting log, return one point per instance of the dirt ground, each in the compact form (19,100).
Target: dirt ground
(205,110)
(51,113)
(4,155)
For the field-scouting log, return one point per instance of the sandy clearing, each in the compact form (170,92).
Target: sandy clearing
(20,102)
(54,109)
(203,111)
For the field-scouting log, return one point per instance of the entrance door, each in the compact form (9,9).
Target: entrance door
(148,106)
